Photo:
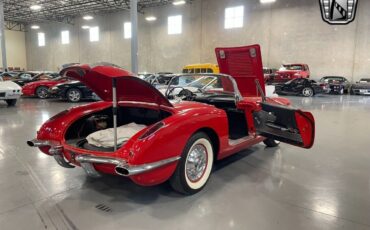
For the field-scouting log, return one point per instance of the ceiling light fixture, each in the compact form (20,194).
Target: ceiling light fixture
(85,27)
(35,27)
(88,17)
(150,18)
(179,2)
(267,1)
(35,7)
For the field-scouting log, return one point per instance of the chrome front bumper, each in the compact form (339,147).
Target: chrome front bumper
(86,161)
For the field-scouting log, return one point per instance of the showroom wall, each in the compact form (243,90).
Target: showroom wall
(15,43)
(288,31)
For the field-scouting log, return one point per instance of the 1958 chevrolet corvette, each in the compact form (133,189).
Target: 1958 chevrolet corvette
(177,140)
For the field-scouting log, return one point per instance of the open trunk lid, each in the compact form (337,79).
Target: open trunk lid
(99,78)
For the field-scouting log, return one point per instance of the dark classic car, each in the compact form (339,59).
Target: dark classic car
(302,86)
(361,87)
(6,76)
(339,85)
(73,91)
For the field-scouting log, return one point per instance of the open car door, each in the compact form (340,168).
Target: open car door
(285,124)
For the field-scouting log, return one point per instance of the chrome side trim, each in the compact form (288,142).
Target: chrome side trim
(131,170)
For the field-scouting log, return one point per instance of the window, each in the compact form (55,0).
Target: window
(175,24)
(234,17)
(65,37)
(94,34)
(41,39)
(127,30)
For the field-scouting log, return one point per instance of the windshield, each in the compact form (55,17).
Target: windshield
(365,80)
(204,83)
(331,79)
(58,78)
(291,67)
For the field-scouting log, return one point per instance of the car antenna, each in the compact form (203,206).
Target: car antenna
(259,89)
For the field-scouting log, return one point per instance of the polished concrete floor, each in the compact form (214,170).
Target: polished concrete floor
(326,187)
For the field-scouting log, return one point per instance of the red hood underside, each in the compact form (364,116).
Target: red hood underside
(129,88)
(244,64)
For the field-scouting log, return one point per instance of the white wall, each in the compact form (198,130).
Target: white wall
(288,31)
(15,43)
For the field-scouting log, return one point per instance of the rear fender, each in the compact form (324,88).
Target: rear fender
(170,141)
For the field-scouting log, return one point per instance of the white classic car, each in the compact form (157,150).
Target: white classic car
(10,92)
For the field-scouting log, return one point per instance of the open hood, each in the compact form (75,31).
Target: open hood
(99,79)
(244,64)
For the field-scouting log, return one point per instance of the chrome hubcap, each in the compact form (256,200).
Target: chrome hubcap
(307,92)
(74,95)
(42,93)
(196,163)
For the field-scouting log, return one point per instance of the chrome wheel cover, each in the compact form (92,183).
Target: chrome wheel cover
(307,92)
(196,163)
(74,95)
(42,93)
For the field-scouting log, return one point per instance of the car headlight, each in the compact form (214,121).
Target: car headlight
(54,88)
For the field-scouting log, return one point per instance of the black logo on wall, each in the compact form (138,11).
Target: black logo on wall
(338,12)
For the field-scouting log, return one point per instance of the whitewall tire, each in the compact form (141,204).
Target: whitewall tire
(195,166)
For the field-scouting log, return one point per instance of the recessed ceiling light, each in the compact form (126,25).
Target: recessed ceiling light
(35,7)
(180,2)
(35,27)
(85,27)
(267,1)
(150,18)
(88,17)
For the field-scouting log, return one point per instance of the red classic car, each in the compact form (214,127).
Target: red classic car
(41,88)
(288,72)
(136,132)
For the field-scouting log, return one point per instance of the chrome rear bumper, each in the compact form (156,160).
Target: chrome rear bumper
(122,167)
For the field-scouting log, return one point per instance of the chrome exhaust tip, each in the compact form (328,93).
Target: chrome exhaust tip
(122,171)
(31,143)
(37,143)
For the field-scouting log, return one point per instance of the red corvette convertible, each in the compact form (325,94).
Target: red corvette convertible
(137,132)
(41,88)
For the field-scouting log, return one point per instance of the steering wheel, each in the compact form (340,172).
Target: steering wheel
(184,94)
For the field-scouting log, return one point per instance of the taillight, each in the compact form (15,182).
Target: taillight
(152,130)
